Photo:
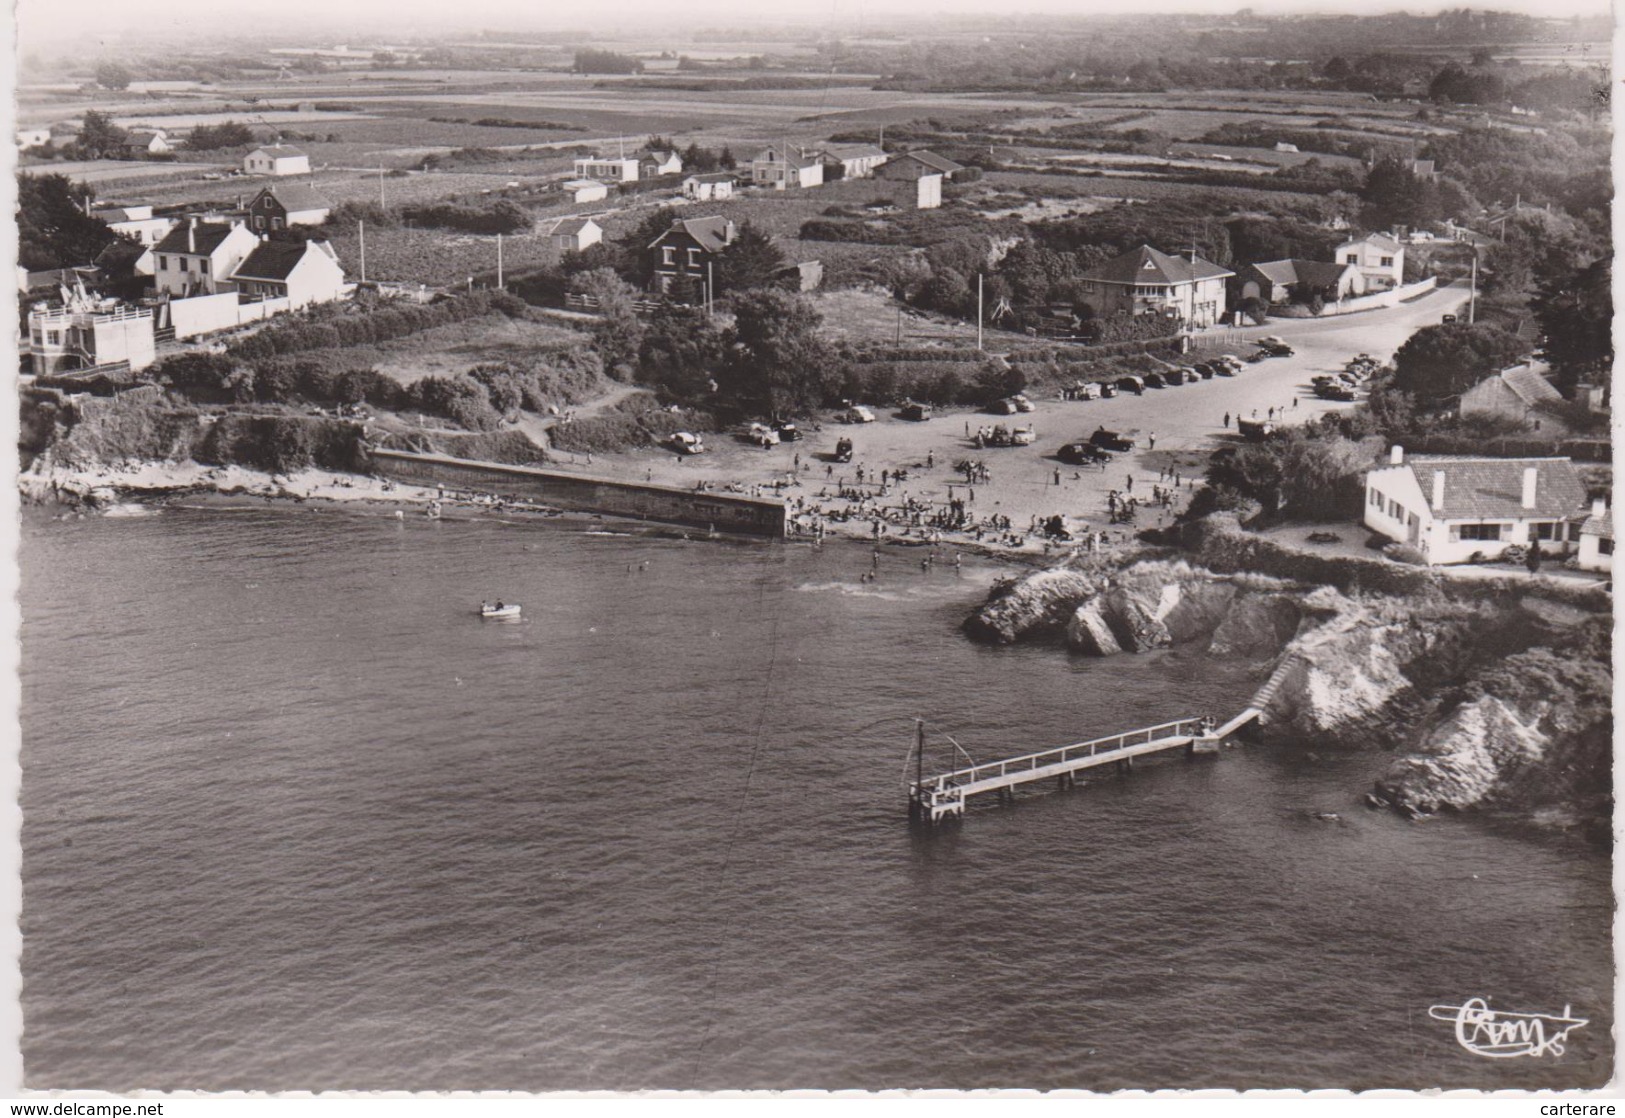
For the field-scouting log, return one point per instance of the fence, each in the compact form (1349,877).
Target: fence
(576,302)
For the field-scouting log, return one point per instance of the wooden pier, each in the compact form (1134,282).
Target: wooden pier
(936,797)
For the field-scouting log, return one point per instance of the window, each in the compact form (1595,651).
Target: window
(1605,546)
(668,256)
(1478,532)
(53,337)
(163,263)
(1394,510)
(1387,261)
(1375,499)
(203,265)
(1548,531)
(694,259)
(185,264)
(276,223)
(1352,258)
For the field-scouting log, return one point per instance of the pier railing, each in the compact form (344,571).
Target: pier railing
(1184,727)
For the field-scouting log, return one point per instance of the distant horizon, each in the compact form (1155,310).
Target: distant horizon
(41,24)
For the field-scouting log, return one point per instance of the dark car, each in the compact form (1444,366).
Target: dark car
(1154,380)
(789,432)
(843,450)
(917,412)
(1204,369)
(1107,390)
(1131,384)
(1111,440)
(1334,391)
(1082,454)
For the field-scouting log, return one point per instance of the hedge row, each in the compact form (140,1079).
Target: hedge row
(1584,450)
(332,331)
(281,443)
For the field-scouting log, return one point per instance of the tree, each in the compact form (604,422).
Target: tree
(212,137)
(1441,362)
(682,351)
(750,262)
(1576,314)
(99,137)
(1394,195)
(638,263)
(110,75)
(619,333)
(53,230)
(780,362)
(726,160)
(589,61)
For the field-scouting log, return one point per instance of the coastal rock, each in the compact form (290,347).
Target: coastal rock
(1040,602)
(1135,616)
(1462,762)
(1257,626)
(1088,633)
(1199,608)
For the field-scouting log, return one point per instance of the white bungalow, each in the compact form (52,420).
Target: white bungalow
(276,159)
(1597,539)
(585,190)
(1451,509)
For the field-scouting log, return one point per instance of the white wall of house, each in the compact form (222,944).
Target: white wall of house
(928,192)
(1596,553)
(148,231)
(608,170)
(170,278)
(258,163)
(1396,507)
(1381,267)
(317,278)
(696,191)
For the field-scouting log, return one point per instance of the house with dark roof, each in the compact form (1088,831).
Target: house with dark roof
(286,204)
(1597,539)
(914,164)
(276,159)
(851,161)
(1522,393)
(1380,258)
(683,254)
(1275,281)
(301,272)
(1146,281)
(1452,509)
(198,257)
(653,164)
(572,234)
(783,169)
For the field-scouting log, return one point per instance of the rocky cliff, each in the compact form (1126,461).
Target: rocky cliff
(1490,701)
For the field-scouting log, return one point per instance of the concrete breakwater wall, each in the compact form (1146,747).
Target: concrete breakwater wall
(726,512)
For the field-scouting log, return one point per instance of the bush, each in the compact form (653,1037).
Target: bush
(501,216)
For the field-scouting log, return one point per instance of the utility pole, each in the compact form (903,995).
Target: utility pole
(1472,298)
(381,184)
(361,229)
(499,261)
(978,310)
(710,287)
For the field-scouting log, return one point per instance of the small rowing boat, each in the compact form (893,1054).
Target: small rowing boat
(499,610)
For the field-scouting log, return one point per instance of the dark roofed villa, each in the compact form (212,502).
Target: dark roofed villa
(1147,281)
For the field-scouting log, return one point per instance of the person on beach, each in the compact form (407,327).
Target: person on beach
(1151,441)
(1227,421)
(1130,486)
(930,459)
(1057,477)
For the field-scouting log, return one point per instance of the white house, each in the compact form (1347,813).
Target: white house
(709,188)
(148,141)
(32,138)
(302,273)
(1451,509)
(1380,258)
(572,234)
(656,163)
(198,258)
(928,192)
(783,170)
(1522,393)
(856,161)
(137,223)
(1597,539)
(84,334)
(276,159)
(607,170)
(585,190)
(1146,281)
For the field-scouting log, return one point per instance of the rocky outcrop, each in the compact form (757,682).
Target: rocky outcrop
(1465,759)
(1259,625)
(1088,632)
(1038,603)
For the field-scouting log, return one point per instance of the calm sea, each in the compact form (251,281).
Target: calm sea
(294,817)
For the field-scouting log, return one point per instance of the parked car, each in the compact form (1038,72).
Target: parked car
(1225,369)
(1153,380)
(1204,369)
(1112,440)
(843,450)
(1255,430)
(684,442)
(915,411)
(1082,453)
(1022,403)
(857,413)
(1005,406)
(760,434)
(1131,384)
(1334,391)
(1108,390)
(789,432)
(1084,390)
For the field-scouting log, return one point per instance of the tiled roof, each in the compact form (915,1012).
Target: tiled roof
(710,232)
(271,260)
(1530,386)
(296,197)
(1316,273)
(1492,488)
(1602,526)
(934,161)
(1379,240)
(1146,265)
(570,226)
(201,240)
(278,151)
(853,151)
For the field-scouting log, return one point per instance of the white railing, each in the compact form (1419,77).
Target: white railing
(1184,727)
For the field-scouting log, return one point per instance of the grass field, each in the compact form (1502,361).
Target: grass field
(448,350)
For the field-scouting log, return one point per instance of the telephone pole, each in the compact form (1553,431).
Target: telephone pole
(1472,298)
(978,310)
(361,230)
(499,261)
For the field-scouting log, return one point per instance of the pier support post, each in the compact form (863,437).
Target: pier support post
(1126,765)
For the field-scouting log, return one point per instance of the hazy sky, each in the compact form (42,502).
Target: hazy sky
(103,21)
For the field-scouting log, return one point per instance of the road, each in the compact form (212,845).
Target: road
(1187,421)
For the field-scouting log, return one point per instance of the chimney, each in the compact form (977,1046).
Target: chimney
(1438,491)
(1396,456)
(191,234)
(1531,477)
